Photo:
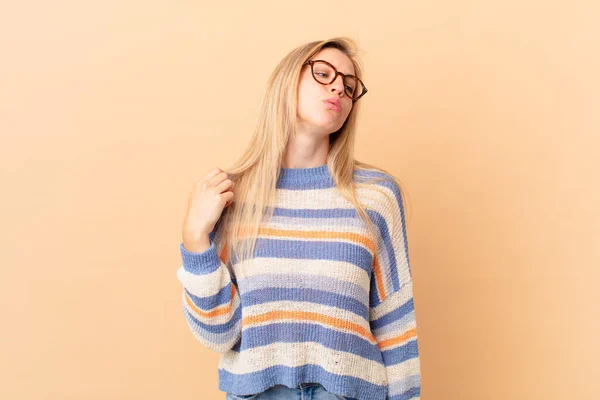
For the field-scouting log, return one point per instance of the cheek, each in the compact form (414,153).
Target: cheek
(308,101)
(346,111)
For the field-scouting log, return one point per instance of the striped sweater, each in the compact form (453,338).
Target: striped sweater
(321,301)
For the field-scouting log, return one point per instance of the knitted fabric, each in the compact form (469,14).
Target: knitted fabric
(321,301)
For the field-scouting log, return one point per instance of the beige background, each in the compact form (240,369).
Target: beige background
(110,111)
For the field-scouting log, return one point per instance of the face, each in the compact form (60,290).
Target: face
(313,114)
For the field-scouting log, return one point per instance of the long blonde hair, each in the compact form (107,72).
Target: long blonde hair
(256,173)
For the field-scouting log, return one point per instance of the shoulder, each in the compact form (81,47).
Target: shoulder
(376,176)
(380,187)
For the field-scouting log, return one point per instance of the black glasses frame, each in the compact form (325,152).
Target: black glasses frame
(312,63)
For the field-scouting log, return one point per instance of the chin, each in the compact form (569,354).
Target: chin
(328,128)
(330,123)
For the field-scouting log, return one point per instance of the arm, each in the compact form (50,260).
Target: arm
(210,300)
(392,310)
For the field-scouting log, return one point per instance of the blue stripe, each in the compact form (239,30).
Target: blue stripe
(297,185)
(333,299)
(401,353)
(207,303)
(200,263)
(307,331)
(395,315)
(259,381)
(312,281)
(409,394)
(388,264)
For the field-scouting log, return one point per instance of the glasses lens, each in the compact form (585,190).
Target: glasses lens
(325,74)
(353,87)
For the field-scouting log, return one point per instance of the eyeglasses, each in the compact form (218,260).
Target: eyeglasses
(325,73)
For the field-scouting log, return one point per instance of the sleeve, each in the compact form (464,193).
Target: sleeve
(210,299)
(391,309)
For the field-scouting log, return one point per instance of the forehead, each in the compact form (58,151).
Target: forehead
(335,57)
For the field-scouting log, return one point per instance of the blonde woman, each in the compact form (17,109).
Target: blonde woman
(295,261)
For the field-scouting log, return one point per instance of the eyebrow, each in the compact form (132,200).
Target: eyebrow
(344,72)
(337,67)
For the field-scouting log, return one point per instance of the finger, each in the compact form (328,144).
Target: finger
(212,173)
(225,185)
(229,196)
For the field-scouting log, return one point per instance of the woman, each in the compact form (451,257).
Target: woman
(295,261)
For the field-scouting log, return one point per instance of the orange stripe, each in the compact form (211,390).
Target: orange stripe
(379,278)
(215,312)
(398,339)
(224,254)
(353,237)
(308,316)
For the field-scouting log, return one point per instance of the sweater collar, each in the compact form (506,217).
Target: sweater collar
(305,178)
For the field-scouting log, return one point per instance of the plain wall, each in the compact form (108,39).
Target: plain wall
(488,112)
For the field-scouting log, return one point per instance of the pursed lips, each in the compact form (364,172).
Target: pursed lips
(334,102)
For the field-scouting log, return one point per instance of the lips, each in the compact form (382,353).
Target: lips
(333,103)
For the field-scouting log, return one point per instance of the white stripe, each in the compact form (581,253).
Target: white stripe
(344,271)
(204,285)
(338,224)
(403,370)
(303,353)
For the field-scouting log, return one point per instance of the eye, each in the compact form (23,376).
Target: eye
(350,89)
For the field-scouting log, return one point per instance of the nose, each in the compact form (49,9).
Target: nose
(337,85)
